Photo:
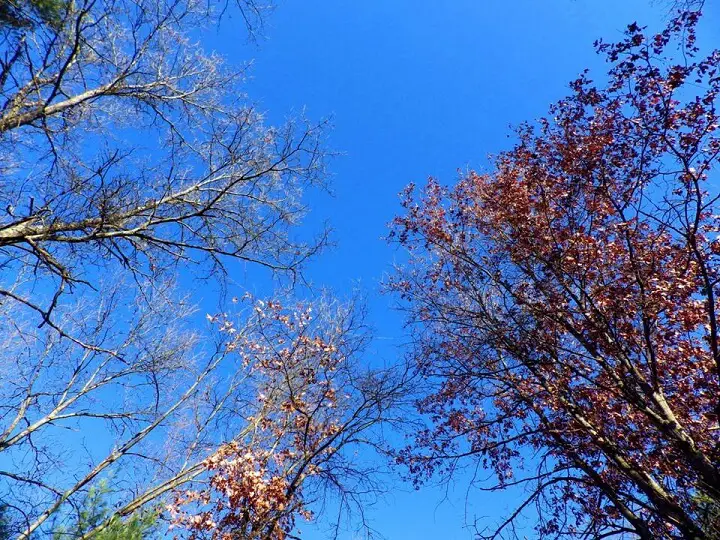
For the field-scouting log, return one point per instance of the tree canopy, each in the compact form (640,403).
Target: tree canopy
(131,161)
(28,13)
(566,302)
(562,307)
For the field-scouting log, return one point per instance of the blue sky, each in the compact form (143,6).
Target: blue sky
(418,88)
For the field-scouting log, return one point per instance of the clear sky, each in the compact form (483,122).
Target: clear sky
(418,88)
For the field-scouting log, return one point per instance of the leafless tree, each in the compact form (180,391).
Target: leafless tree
(131,159)
(123,142)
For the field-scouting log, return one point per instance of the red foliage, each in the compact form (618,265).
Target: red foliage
(566,302)
(300,401)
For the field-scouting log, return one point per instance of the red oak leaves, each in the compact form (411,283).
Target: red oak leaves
(566,302)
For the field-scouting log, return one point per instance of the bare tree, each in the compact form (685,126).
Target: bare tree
(122,141)
(130,159)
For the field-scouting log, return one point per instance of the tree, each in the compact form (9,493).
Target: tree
(95,510)
(25,13)
(131,160)
(709,516)
(5,525)
(309,407)
(566,303)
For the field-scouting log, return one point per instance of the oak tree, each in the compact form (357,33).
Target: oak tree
(566,303)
